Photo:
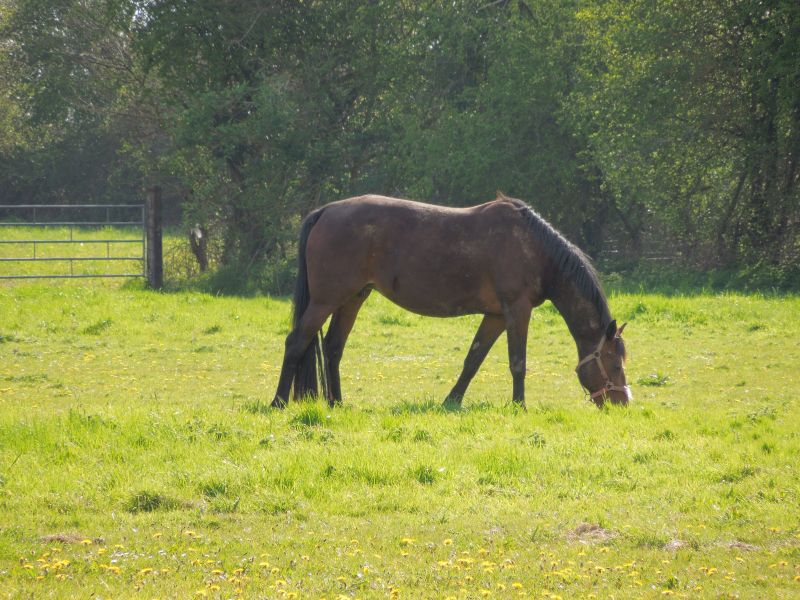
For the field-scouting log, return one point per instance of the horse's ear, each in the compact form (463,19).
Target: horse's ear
(621,329)
(611,330)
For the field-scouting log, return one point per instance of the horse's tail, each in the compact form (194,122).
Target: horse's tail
(305,378)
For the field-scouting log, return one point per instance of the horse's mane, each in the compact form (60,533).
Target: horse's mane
(569,261)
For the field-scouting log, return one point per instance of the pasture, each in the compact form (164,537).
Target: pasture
(139,458)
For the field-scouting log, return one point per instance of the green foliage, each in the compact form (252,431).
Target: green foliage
(628,125)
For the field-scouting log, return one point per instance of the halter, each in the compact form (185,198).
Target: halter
(609,385)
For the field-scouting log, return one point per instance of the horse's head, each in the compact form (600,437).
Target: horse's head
(602,372)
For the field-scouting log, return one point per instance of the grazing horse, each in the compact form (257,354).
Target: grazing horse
(498,259)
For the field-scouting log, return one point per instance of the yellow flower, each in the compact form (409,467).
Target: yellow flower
(516,585)
(448,542)
(86,542)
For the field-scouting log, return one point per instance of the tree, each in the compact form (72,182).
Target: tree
(691,111)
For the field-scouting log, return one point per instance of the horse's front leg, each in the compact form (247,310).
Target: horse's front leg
(489,330)
(517,316)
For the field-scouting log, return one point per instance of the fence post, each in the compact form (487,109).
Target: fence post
(155,259)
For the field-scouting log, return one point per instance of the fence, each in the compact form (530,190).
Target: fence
(77,222)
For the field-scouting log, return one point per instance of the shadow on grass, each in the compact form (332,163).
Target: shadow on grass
(431,406)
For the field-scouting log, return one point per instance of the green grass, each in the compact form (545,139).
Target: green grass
(139,458)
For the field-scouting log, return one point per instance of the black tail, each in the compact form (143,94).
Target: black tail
(305,378)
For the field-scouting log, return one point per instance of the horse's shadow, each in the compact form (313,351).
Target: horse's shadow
(425,407)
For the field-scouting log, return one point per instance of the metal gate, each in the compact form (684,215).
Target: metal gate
(74,234)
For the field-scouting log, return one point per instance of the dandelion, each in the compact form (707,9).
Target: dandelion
(407,541)
(517,585)
(156,535)
(448,542)
(86,542)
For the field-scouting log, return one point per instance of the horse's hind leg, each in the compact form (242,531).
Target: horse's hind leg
(335,340)
(297,342)
(489,330)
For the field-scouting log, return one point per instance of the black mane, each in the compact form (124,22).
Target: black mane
(568,260)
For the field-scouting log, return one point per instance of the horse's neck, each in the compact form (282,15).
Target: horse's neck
(582,317)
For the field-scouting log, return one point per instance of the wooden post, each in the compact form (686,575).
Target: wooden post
(155,258)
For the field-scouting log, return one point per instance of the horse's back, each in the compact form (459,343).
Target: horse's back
(431,259)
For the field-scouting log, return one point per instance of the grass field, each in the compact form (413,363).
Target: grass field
(139,458)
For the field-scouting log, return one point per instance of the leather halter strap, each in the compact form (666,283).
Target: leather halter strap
(609,385)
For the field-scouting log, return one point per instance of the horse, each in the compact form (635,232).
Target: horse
(499,259)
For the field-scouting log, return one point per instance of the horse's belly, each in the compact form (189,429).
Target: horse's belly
(440,299)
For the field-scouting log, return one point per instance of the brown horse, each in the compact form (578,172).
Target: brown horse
(498,259)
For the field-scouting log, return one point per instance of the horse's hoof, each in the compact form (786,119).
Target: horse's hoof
(452,402)
(278,402)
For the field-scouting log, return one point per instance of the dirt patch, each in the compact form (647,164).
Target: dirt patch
(737,545)
(674,545)
(590,533)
